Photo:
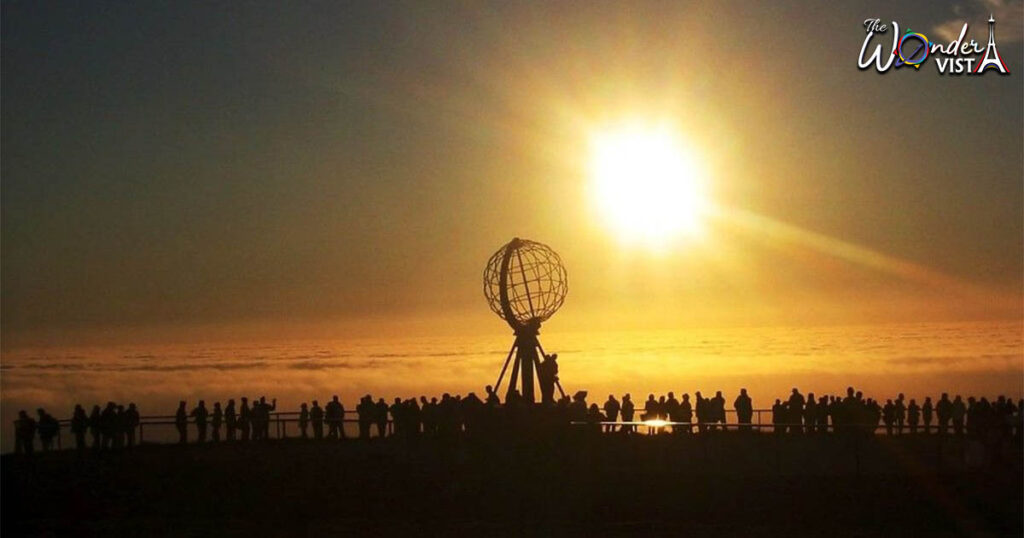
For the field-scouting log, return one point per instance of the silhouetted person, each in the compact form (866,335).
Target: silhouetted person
(824,409)
(959,411)
(671,409)
(303,420)
(628,411)
(744,410)
(244,419)
(889,416)
(381,417)
(216,419)
(469,410)
(108,425)
(260,418)
(795,411)
(428,414)
(444,412)
(181,422)
(913,415)
(944,412)
(701,407)
(594,418)
(48,428)
(365,409)
(685,415)
(547,375)
(926,414)
(255,420)
(810,413)
(200,414)
(415,415)
(718,409)
(94,426)
(651,410)
(79,426)
(872,413)
(578,407)
(265,410)
(230,420)
(316,416)
(133,420)
(834,412)
(847,412)
(406,417)
(611,411)
(900,413)
(341,420)
(492,396)
(25,433)
(973,420)
(778,416)
(334,415)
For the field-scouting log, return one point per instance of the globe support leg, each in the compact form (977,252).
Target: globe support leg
(501,376)
(513,379)
(526,357)
(523,357)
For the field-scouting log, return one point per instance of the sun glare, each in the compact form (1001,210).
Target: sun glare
(647,184)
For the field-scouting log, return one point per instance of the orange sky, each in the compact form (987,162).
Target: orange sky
(304,172)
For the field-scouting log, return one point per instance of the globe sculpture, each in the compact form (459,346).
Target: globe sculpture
(525,284)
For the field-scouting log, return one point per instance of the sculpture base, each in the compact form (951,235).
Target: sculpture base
(526,366)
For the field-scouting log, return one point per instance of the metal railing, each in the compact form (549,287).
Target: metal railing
(278,425)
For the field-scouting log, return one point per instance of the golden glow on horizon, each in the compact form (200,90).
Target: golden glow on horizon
(647,183)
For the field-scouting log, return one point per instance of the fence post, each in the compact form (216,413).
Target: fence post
(141,437)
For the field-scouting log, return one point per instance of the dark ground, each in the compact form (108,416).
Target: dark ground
(714,485)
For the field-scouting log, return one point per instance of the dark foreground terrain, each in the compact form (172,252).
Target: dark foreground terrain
(712,485)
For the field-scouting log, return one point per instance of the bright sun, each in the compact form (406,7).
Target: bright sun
(647,183)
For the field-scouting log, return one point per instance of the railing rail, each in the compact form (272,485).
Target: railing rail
(279,420)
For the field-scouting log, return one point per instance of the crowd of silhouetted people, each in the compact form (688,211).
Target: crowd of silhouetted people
(114,426)
(248,422)
(107,428)
(854,412)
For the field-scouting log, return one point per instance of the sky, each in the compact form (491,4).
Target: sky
(176,171)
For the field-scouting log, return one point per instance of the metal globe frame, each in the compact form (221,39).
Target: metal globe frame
(525,283)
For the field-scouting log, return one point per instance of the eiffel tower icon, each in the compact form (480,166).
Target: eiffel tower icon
(992,57)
